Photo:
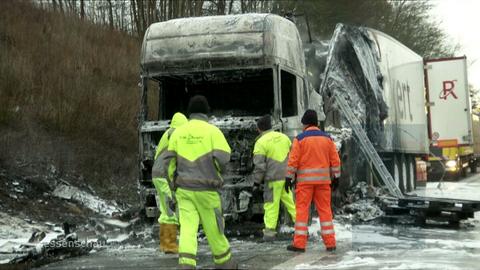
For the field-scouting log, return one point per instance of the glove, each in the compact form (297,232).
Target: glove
(335,183)
(289,184)
(172,204)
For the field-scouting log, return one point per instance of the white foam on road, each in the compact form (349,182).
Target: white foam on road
(420,265)
(465,189)
(367,262)
(454,244)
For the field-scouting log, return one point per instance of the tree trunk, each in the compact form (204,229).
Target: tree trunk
(230,7)
(82,9)
(169,9)
(189,8)
(141,17)
(242,6)
(122,16)
(54,2)
(110,14)
(221,7)
(198,7)
(61,5)
(182,11)
(162,10)
(135,17)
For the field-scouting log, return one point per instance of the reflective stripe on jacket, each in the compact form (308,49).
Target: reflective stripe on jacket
(313,158)
(270,156)
(200,151)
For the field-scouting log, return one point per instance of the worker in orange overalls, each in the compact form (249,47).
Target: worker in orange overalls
(314,161)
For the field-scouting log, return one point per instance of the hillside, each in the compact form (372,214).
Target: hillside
(68,105)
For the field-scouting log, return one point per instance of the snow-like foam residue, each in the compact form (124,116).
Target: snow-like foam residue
(344,264)
(420,265)
(14,227)
(368,237)
(342,231)
(449,252)
(453,244)
(339,135)
(118,239)
(86,199)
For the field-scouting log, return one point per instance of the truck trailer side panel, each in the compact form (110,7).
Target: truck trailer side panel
(403,86)
(449,100)
(449,117)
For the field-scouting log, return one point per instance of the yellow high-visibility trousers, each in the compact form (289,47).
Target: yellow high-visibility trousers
(167,215)
(195,207)
(274,193)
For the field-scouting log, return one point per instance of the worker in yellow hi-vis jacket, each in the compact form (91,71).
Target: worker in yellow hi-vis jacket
(168,220)
(270,156)
(199,151)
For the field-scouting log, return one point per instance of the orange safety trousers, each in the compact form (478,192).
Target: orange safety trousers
(320,193)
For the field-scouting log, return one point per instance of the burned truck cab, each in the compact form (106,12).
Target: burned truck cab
(246,66)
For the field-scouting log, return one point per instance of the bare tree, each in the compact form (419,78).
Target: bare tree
(54,4)
(61,5)
(230,6)
(221,7)
(110,13)
(82,9)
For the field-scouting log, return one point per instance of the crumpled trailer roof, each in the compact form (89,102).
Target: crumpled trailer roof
(221,42)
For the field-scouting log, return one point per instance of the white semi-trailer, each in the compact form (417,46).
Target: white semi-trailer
(450,119)
(383,83)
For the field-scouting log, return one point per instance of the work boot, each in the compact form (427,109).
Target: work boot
(230,264)
(170,239)
(295,249)
(331,249)
(269,235)
(161,234)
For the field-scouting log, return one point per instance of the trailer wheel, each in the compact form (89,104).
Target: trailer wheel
(396,170)
(463,172)
(405,172)
(401,172)
(473,167)
(457,175)
(410,162)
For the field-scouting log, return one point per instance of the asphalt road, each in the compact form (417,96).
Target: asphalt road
(380,246)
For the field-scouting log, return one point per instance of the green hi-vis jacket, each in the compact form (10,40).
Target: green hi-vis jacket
(178,119)
(270,156)
(200,152)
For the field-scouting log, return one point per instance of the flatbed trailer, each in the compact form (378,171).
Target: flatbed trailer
(435,209)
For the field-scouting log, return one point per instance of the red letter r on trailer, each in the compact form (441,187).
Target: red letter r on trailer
(448,87)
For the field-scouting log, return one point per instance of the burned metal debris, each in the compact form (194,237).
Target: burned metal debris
(352,70)
(362,204)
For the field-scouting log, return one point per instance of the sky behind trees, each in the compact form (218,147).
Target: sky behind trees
(460,20)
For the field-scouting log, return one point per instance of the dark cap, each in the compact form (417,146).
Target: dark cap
(310,118)
(264,123)
(198,104)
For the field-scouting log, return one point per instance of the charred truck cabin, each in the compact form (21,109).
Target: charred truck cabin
(246,65)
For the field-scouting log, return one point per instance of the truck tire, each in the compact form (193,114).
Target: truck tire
(401,172)
(396,170)
(457,175)
(463,172)
(473,167)
(410,163)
